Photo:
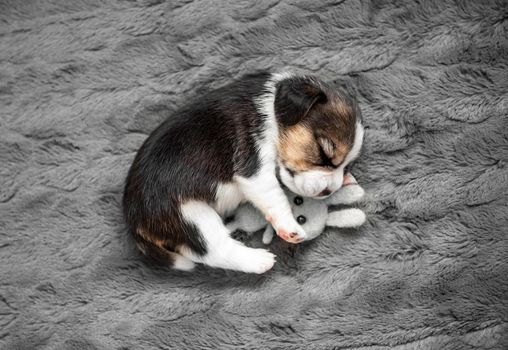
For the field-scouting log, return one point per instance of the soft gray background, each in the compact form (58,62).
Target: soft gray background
(81,86)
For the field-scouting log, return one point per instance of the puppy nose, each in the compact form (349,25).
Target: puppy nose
(325,192)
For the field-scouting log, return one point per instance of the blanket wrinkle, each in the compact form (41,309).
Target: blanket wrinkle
(82,84)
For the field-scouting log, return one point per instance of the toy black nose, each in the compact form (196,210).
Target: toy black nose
(325,192)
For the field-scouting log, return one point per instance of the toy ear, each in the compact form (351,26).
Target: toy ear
(346,195)
(295,97)
(353,217)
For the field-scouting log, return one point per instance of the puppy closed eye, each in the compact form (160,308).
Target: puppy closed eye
(324,160)
(325,164)
(327,147)
(326,153)
(291,172)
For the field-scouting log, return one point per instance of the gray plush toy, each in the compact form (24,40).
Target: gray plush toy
(313,214)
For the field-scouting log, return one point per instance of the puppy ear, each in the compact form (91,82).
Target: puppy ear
(295,97)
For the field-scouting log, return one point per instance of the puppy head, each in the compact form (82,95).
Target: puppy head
(320,134)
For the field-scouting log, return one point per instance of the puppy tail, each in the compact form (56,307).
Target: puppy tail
(163,256)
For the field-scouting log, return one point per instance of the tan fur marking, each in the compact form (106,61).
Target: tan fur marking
(341,151)
(327,146)
(297,147)
(343,109)
(147,237)
(299,150)
(334,121)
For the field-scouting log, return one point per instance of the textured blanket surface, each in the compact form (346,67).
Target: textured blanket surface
(82,84)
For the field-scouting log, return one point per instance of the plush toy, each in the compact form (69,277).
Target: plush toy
(313,214)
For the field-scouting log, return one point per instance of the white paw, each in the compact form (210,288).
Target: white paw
(289,230)
(183,264)
(258,261)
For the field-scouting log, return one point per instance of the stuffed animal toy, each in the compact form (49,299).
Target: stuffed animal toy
(313,214)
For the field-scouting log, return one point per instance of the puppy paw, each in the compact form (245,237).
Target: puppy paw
(182,263)
(289,230)
(258,261)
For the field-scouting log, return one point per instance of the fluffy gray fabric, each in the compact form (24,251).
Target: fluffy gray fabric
(82,84)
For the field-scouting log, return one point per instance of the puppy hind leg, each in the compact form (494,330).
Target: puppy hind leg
(163,256)
(222,251)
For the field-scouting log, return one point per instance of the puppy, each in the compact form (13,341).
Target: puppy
(224,149)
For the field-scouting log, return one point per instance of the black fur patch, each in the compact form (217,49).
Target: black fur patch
(206,142)
(295,97)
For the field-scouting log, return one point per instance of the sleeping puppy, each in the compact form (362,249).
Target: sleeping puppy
(224,149)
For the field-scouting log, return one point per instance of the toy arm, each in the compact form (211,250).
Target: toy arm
(346,218)
(346,195)
(349,193)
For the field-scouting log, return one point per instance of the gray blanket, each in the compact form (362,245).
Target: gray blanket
(82,84)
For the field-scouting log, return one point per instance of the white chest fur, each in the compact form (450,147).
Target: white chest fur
(227,198)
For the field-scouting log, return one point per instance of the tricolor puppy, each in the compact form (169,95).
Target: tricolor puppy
(224,149)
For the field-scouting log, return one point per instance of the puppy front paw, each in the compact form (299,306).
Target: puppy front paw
(289,230)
